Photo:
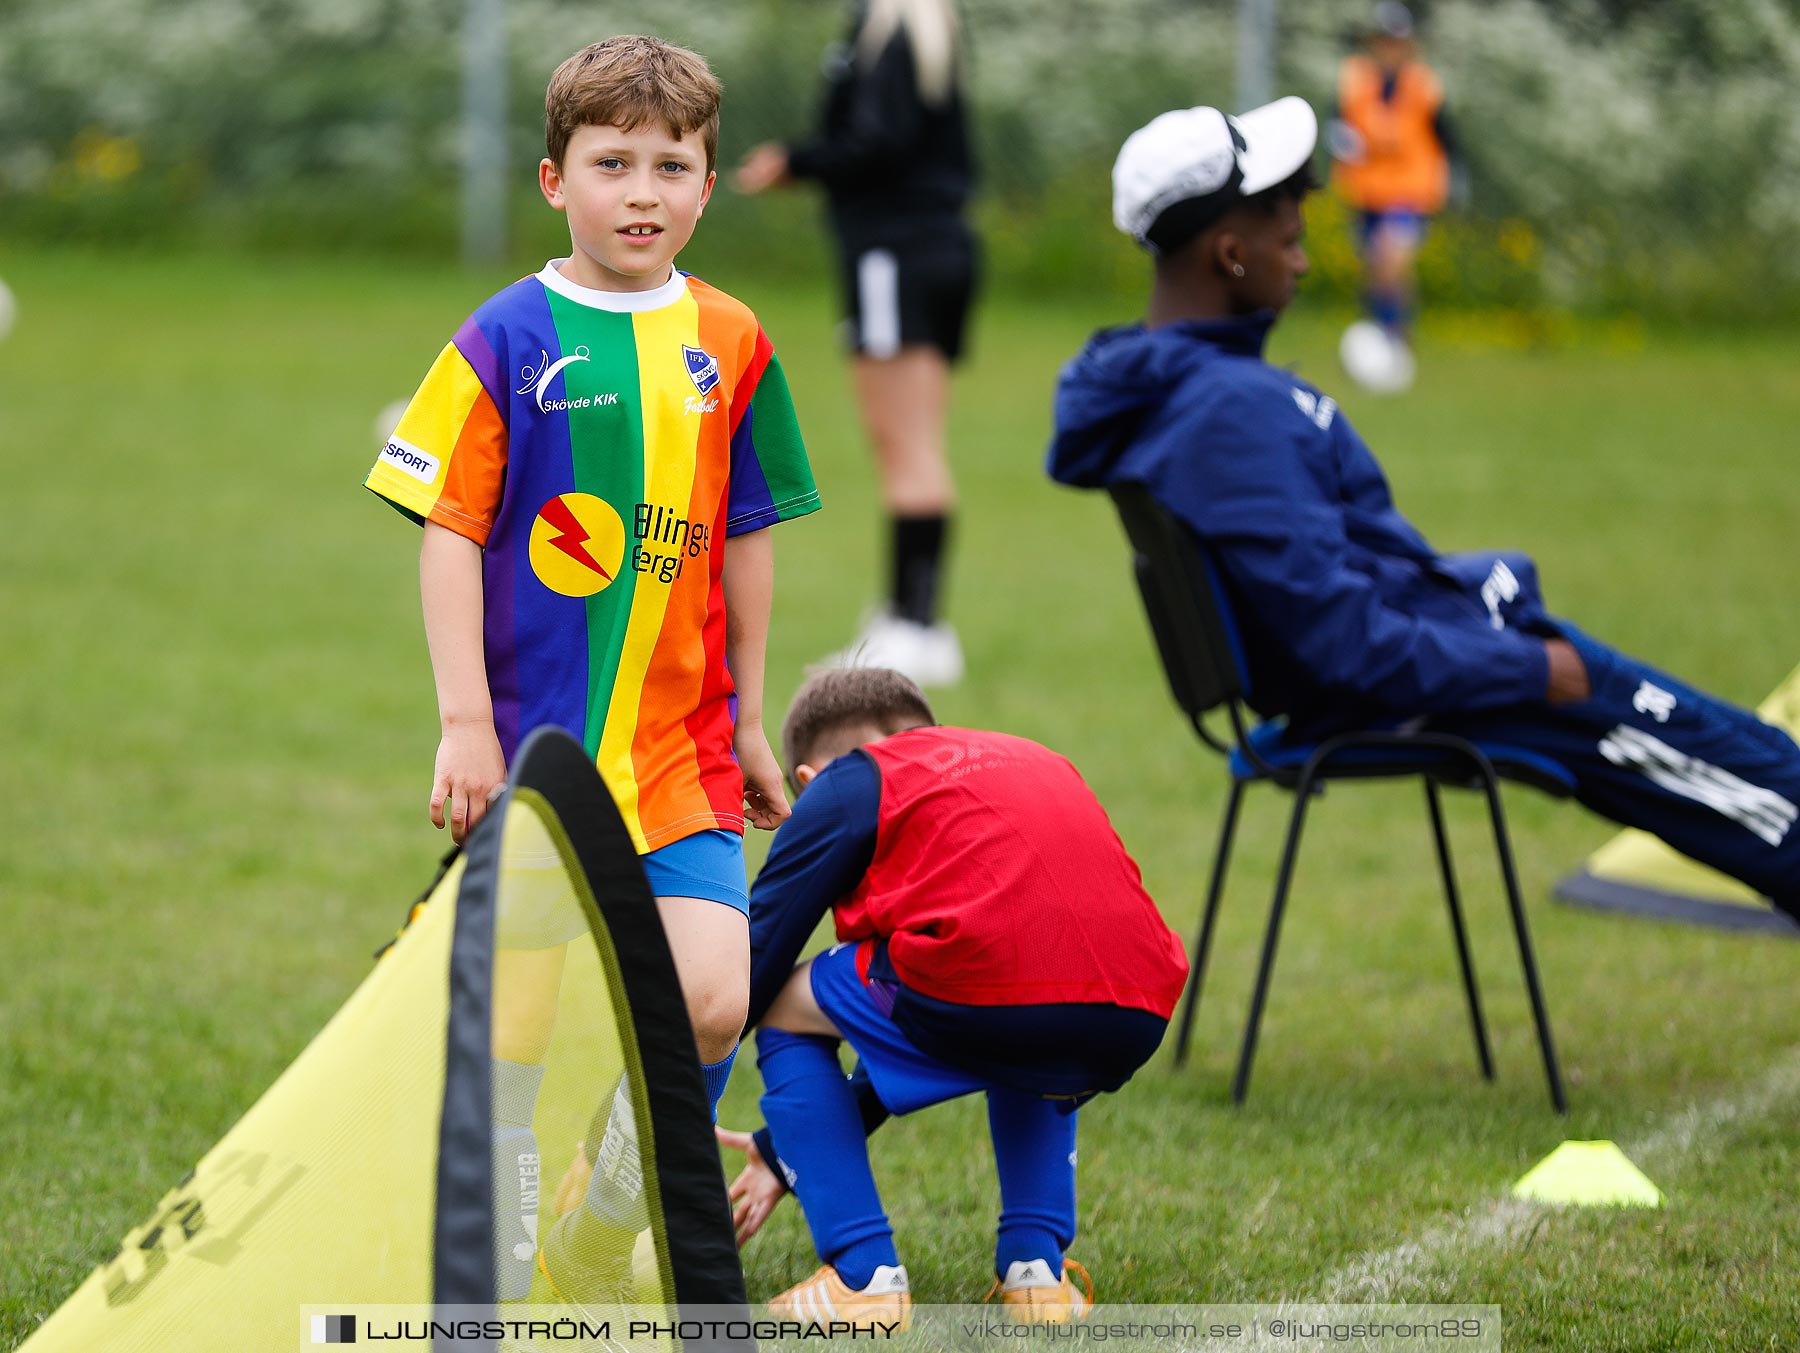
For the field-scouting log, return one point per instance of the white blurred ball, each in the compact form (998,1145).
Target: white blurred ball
(389,419)
(1375,359)
(9,310)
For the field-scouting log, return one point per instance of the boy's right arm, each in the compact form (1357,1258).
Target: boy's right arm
(820,855)
(469,762)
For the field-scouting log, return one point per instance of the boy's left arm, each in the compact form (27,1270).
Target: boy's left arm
(817,859)
(749,591)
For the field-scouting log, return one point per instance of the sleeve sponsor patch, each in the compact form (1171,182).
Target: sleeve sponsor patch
(409,459)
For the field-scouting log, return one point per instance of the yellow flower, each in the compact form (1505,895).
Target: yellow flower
(1518,242)
(97,155)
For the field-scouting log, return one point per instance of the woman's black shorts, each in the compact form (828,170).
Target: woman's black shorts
(902,290)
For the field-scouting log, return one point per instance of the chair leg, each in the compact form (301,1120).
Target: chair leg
(1551,1071)
(1476,1022)
(1203,941)
(1240,1084)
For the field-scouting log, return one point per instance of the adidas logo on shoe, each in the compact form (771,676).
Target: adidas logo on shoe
(1034,1294)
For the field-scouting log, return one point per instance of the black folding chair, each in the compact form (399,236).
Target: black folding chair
(1191,620)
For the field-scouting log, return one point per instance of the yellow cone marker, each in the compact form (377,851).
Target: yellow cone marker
(1588,1174)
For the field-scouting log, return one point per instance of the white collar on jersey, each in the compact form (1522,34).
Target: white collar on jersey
(624,302)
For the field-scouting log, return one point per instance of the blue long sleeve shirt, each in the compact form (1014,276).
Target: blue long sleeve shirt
(819,856)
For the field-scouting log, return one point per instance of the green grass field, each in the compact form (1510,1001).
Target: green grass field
(217,726)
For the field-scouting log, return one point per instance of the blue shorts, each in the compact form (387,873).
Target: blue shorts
(904,1078)
(537,907)
(917,1052)
(707,864)
(1407,226)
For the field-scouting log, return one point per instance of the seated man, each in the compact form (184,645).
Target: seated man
(994,937)
(1348,617)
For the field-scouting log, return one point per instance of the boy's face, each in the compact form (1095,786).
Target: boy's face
(632,199)
(1269,248)
(1390,53)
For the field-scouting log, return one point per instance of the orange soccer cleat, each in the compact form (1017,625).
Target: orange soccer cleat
(825,1297)
(1032,1296)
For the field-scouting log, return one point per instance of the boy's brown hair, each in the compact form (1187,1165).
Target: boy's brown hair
(847,696)
(629,82)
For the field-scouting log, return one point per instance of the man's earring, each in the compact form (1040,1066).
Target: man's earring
(1237,269)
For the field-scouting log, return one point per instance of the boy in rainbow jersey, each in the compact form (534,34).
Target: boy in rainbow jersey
(596,458)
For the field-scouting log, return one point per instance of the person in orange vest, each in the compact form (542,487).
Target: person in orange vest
(1391,148)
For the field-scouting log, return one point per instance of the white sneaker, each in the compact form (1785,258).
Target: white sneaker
(1376,358)
(930,654)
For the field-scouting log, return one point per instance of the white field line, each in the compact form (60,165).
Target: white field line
(1377,1275)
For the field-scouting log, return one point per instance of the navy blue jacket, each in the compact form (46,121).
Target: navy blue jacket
(1346,613)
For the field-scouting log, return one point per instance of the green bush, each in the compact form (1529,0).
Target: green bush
(1623,157)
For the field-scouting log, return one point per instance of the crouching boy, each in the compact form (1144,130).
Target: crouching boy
(994,937)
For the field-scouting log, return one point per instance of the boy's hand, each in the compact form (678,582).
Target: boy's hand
(470,770)
(765,801)
(755,1192)
(1568,674)
(575,1179)
(766,166)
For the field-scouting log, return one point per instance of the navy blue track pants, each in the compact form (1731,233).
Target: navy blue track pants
(1650,751)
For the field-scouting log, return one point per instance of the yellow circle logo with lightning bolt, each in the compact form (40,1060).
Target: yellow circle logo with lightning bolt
(577,544)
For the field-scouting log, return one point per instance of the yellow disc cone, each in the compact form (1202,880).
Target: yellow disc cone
(1588,1174)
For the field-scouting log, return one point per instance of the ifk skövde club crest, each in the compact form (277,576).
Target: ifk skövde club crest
(702,368)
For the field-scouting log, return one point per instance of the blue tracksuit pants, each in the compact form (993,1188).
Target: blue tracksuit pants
(1650,751)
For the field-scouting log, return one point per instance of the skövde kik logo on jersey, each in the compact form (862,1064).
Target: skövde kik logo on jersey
(535,381)
(577,544)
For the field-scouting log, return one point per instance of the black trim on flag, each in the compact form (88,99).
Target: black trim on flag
(463,1237)
(696,1211)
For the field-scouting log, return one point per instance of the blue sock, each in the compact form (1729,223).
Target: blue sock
(815,1123)
(1389,310)
(1034,1151)
(716,1076)
(518,1176)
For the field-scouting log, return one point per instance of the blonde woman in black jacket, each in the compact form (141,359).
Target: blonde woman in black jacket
(892,153)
